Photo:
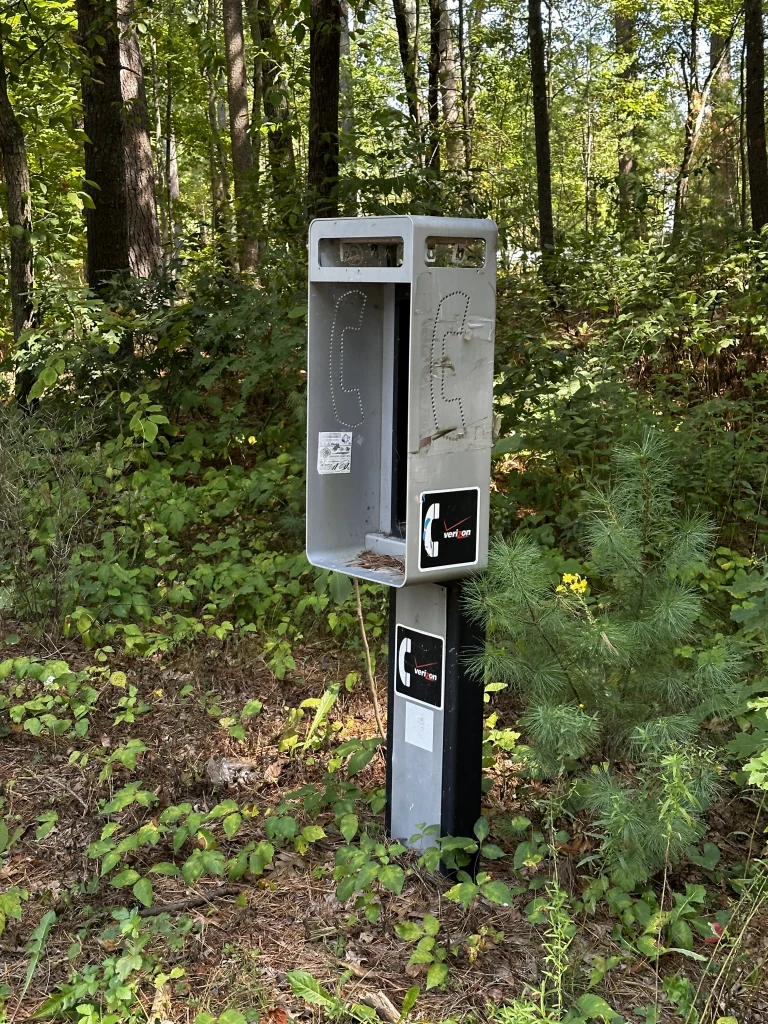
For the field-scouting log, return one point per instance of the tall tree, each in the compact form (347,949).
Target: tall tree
(723,163)
(625,31)
(697,99)
(541,130)
(19,207)
(275,97)
(754,37)
(433,85)
(407,24)
(323,151)
(243,168)
(449,91)
(121,226)
(221,220)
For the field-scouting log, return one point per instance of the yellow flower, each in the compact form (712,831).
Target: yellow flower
(560,588)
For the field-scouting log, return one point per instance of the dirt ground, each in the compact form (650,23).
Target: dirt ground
(247,935)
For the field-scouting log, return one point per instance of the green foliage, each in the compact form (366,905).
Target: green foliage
(47,698)
(615,663)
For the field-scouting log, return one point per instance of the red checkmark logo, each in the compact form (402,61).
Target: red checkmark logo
(429,664)
(449,528)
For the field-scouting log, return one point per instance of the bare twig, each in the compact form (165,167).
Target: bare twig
(369,666)
(191,902)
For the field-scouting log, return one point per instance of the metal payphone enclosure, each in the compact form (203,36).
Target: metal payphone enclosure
(400,378)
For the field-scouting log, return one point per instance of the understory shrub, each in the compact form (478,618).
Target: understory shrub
(615,669)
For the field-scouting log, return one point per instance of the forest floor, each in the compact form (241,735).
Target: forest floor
(245,936)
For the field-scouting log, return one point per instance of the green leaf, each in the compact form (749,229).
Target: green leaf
(309,989)
(340,587)
(410,1000)
(408,931)
(348,826)
(392,877)
(47,379)
(497,892)
(492,852)
(507,445)
(125,877)
(231,824)
(437,975)
(463,893)
(358,761)
(648,946)
(345,888)
(431,924)
(593,1006)
(680,935)
(47,821)
(142,890)
(165,867)
(482,828)
(232,1017)
(311,833)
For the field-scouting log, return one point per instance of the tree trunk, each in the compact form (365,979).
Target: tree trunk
(160,182)
(346,95)
(19,208)
(143,231)
(323,154)
(723,163)
(698,99)
(406,22)
(433,87)
(449,91)
(347,144)
(19,213)
(277,110)
(107,222)
(754,35)
(625,28)
(464,80)
(243,169)
(743,169)
(541,131)
(122,229)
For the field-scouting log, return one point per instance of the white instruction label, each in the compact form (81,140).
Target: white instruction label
(419,723)
(334,451)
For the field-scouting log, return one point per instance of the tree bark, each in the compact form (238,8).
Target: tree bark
(243,168)
(277,109)
(143,231)
(221,220)
(107,222)
(466,115)
(19,212)
(541,131)
(346,95)
(625,29)
(754,36)
(122,228)
(19,208)
(406,21)
(433,86)
(724,165)
(323,153)
(450,94)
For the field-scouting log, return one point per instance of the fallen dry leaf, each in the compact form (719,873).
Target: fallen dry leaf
(276,1016)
